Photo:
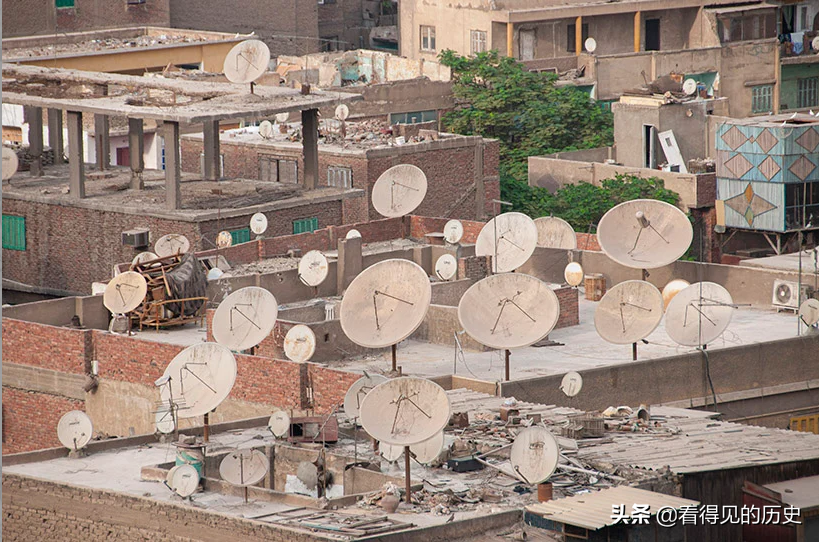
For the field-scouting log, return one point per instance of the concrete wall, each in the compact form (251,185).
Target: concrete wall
(407,96)
(342,24)
(58,312)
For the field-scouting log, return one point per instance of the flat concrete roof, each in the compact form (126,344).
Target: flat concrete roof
(802,493)
(789,262)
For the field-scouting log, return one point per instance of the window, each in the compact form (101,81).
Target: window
(478,40)
(14,232)
(305,225)
(761,99)
(806,95)
(272,169)
(427,38)
(135,2)
(240,236)
(62,4)
(413,118)
(571,35)
(340,177)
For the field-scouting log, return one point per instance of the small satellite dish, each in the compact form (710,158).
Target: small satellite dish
(279,423)
(399,190)
(809,312)
(173,243)
(243,467)
(224,239)
(699,314)
(689,86)
(644,233)
(590,45)
(125,292)
(673,288)
(244,318)
(630,311)
(266,129)
(215,273)
(453,231)
(75,430)
(554,232)
(10,163)
(300,343)
(385,303)
(573,274)
(313,268)
(405,411)
(389,452)
(201,377)
(510,238)
(342,112)
(164,418)
(814,44)
(534,455)
(281,118)
(258,223)
(307,473)
(184,480)
(446,267)
(571,384)
(424,452)
(353,234)
(143,257)
(247,61)
(508,311)
(356,393)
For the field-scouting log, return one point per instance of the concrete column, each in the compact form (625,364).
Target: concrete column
(777,90)
(136,151)
(349,264)
(638,18)
(34,118)
(510,40)
(212,153)
(76,180)
(173,173)
(578,35)
(309,141)
(55,134)
(102,143)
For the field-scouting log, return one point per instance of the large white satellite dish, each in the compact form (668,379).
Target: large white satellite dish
(125,292)
(281,118)
(201,377)
(75,430)
(279,423)
(446,267)
(258,223)
(534,455)
(356,393)
(699,314)
(453,231)
(173,243)
(554,232)
(425,452)
(244,467)
(10,163)
(399,190)
(313,268)
(143,257)
(266,129)
(510,238)
(184,480)
(300,343)
(809,312)
(247,61)
(571,384)
(629,312)
(244,318)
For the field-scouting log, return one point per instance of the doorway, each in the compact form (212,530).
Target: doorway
(649,137)
(652,34)
(527,44)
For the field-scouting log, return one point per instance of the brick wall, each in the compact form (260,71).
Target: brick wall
(422,225)
(40,345)
(128,359)
(474,267)
(30,419)
(329,386)
(587,241)
(569,312)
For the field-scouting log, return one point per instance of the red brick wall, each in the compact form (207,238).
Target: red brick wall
(569,312)
(329,386)
(30,419)
(422,225)
(39,345)
(354,210)
(129,359)
(587,241)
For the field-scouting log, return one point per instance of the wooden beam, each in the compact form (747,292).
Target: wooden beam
(637,25)
(578,35)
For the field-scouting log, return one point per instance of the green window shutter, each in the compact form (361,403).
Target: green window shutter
(240,236)
(14,232)
(303,225)
(65,3)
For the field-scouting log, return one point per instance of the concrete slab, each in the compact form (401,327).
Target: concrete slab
(790,262)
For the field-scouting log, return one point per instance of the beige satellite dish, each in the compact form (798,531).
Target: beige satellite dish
(281,118)
(266,129)
(385,303)
(247,61)
(424,452)
(224,239)
(399,190)
(200,378)
(258,223)
(75,430)
(673,288)
(510,238)
(573,274)
(689,86)
(279,423)
(353,234)
(644,233)
(244,467)
(313,268)
(629,312)
(590,45)
(165,421)
(299,343)
(534,455)
(245,318)
(342,112)
(125,292)
(814,44)
(356,393)
(143,257)
(453,231)
(389,452)
(215,273)
(699,314)
(446,267)
(184,480)
(554,232)
(571,384)
(809,312)
(10,163)
(173,243)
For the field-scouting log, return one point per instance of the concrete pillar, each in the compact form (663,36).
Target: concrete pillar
(102,143)
(309,141)
(173,172)
(510,40)
(55,134)
(76,180)
(638,17)
(136,151)
(34,118)
(212,153)
(578,35)
(350,262)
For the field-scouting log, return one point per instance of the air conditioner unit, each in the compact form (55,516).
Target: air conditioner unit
(785,294)
(136,238)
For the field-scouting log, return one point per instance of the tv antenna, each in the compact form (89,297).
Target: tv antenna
(299,343)
(313,268)
(571,384)
(74,431)
(399,190)
(246,62)
(446,267)
(243,468)
(510,238)
(171,244)
(10,163)
(628,313)
(534,455)
(245,318)
(699,314)
(453,232)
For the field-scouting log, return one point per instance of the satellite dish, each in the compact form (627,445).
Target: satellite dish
(698,314)
(201,377)
(215,273)
(508,311)
(814,44)
(247,61)
(342,112)
(10,163)
(165,422)
(446,267)
(571,384)
(308,474)
(644,233)
(281,118)
(224,239)
(389,452)
(244,318)
(534,455)
(630,311)
(353,234)
(125,292)
(313,268)
(173,243)
(689,86)
(573,274)
(279,423)
(590,44)
(399,190)
(258,223)
(75,429)
(143,257)
(184,480)
(300,343)
(809,312)
(673,288)
(385,303)
(405,411)
(244,467)
(424,452)
(266,129)
(554,232)
(510,238)
(453,231)
(356,393)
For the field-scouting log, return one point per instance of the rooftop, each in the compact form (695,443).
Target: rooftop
(802,493)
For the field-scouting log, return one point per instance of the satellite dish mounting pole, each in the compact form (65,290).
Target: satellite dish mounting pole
(407,482)
(394,349)
(634,351)
(506,355)
(206,428)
